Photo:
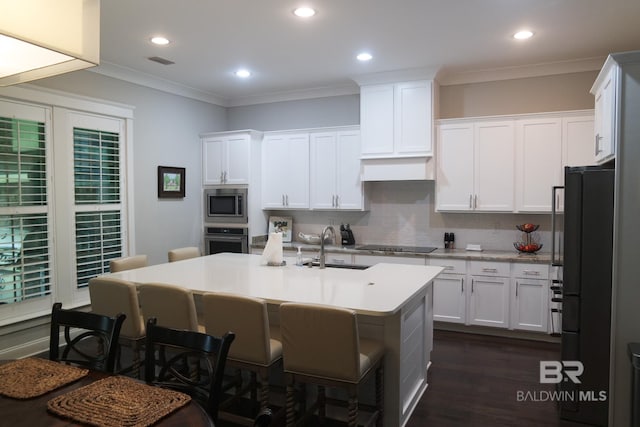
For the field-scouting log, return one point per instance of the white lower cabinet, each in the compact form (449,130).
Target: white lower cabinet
(496,294)
(489,294)
(530,297)
(449,294)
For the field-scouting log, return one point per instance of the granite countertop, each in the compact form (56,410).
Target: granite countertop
(485,255)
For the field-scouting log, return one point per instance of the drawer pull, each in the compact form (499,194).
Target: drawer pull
(449,267)
(489,270)
(531,272)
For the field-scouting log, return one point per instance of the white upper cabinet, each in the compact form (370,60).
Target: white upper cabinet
(538,162)
(577,140)
(605,91)
(494,166)
(454,180)
(335,170)
(376,120)
(475,166)
(509,164)
(285,171)
(396,119)
(227,157)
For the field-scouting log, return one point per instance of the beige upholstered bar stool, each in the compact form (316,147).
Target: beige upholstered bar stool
(321,346)
(183,253)
(172,306)
(110,297)
(254,349)
(128,263)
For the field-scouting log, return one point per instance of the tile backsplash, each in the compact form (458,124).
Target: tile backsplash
(402,213)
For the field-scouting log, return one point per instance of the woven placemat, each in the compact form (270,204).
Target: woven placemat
(117,402)
(32,377)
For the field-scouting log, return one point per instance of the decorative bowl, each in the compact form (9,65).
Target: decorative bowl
(527,248)
(527,228)
(313,239)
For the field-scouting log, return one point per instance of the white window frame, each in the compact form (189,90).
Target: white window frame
(19,311)
(62,108)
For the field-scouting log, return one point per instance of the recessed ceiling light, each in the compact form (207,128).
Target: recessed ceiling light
(364,56)
(304,12)
(523,35)
(159,40)
(243,73)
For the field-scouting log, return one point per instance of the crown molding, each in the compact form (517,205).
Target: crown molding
(296,95)
(394,76)
(143,79)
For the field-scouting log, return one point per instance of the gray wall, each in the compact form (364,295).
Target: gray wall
(518,96)
(166,132)
(307,113)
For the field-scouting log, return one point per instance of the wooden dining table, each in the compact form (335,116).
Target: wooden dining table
(33,412)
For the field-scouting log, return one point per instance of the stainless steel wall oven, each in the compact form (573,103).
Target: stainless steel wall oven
(226,239)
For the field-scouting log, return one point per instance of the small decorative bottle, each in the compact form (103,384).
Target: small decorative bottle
(299,256)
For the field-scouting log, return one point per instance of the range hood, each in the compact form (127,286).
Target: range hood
(398,169)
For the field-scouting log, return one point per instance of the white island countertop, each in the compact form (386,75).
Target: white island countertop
(380,290)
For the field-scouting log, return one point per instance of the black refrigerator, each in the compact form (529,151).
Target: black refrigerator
(586,291)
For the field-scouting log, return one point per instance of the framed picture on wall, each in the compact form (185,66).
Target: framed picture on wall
(281,224)
(171,182)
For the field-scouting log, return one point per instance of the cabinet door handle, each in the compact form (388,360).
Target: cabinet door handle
(517,284)
(475,202)
(224,179)
(489,270)
(337,201)
(470,201)
(283,200)
(531,272)
(333,201)
(221,178)
(286,197)
(462,284)
(471,285)
(598,138)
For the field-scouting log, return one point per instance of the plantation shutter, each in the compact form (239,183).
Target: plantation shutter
(98,193)
(24,219)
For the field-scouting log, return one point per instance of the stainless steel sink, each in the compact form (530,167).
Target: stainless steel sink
(338,265)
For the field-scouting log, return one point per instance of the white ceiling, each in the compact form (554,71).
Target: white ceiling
(465,40)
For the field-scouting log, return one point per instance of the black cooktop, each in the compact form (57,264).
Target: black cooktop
(391,248)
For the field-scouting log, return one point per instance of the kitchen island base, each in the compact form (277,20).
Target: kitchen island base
(394,303)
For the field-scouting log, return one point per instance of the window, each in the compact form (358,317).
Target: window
(62,204)
(97,198)
(24,212)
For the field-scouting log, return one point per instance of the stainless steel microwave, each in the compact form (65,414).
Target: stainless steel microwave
(225,205)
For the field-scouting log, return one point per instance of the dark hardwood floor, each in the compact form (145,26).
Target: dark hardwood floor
(474,380)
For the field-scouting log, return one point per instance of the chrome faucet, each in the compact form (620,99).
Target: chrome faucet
(322,237)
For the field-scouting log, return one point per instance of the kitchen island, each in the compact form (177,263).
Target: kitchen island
(393,302)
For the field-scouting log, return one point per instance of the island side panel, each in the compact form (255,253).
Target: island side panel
(407,341)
